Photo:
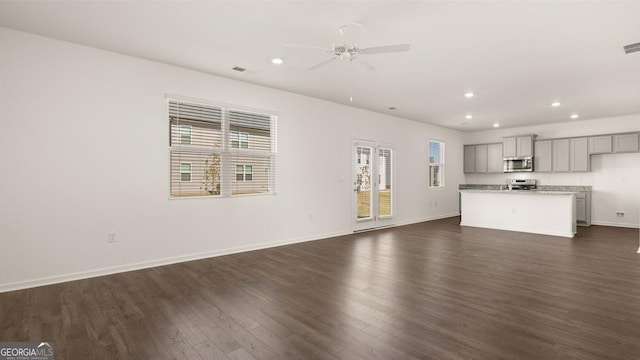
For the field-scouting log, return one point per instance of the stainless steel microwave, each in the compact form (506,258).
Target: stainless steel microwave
(518,164)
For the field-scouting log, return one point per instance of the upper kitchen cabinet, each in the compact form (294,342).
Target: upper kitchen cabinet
(600,144)
(518,146)
(561,155)
(625,143)
(483,158)
(570,155)
(469,159)
(579,152)
(543,157)
(494,158)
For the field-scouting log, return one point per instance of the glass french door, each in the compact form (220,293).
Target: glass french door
(372,185)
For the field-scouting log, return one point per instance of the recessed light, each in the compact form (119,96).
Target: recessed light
(556,103)
(277,61)
(575,116)
(469,94)
(496,125)
(468,116)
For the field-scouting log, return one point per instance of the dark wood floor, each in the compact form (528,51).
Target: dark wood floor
(430,291)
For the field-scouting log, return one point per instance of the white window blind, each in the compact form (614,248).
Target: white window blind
(436,164)
(230,150)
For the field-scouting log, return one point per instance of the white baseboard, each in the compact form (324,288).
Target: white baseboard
(611,223)
(50,280)
(431,218)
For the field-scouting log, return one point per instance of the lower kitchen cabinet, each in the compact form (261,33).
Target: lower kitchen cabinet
(581,209)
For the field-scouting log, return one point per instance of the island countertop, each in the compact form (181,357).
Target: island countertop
(521,192)
(570,188)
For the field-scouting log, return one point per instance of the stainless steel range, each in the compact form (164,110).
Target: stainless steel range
(521,184)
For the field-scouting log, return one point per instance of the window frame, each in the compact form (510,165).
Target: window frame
(440,165)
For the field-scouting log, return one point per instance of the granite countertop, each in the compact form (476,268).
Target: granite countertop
(521,192)
(540,188)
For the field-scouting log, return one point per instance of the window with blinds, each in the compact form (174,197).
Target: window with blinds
(218,150)
(436,164)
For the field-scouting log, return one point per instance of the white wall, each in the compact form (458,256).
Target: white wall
(614,177)
(85,152)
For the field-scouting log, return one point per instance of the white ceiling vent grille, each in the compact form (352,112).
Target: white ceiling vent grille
(632,48)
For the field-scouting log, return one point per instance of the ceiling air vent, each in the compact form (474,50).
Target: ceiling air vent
(632,48)
(237,68)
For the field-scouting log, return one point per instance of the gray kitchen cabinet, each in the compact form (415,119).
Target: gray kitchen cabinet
(509,147)
(560,150)
(543,158)
(625,143)
(524,145)
(494,158)
(481,159)
(518,146)
(570,155)
(581,207)
(579,154)
(469,159)
(600,144)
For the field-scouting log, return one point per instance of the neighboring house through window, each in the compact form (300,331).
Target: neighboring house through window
(244,172)
(185,134)
(185,172)
(239,140)
(436,164)
(220,150)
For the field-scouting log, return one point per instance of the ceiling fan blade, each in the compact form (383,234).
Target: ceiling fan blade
(384,49)
(312,47)
(321,64)
(365,65)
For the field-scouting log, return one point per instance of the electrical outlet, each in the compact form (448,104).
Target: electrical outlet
(620,213)
(112,237)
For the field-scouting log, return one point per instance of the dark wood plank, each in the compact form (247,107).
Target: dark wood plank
(432,290)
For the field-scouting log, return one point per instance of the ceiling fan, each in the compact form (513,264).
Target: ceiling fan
(346,51)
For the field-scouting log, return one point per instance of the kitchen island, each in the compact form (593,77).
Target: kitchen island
(540,212)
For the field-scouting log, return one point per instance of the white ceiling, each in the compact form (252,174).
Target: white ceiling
(517,57)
